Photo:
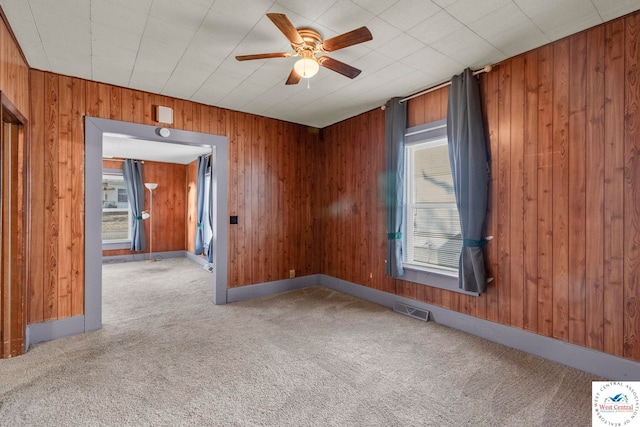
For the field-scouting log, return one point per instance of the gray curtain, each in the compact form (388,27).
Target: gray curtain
(200,201)
(395,128)
(469,158)
(132,175)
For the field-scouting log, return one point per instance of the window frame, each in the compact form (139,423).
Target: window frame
(119,243)
(432,275)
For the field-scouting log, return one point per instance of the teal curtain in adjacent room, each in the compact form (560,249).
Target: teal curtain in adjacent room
(132,175)
(203,162)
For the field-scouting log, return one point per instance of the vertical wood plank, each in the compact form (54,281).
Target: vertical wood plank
(632,190)
(35,296)
(545,191)
(516,196)
(51,216)
(491,96)
(65,208)
(560,172)
(503,195)
(576,196)
(530,175)
(613,187)
(594,166)
(78,91)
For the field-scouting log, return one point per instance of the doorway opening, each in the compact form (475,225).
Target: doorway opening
(94,194)
(13,233)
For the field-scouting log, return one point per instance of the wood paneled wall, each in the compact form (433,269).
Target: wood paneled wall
(169,206)
(563,123)
(14,87)
(269,187)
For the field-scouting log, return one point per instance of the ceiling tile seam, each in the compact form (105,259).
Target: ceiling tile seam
(225,59)
(598,11)
(195,33)
(314,21)
(39,35)
(144,29)
(404,30)
(91,37)
(536,25)
(443,53)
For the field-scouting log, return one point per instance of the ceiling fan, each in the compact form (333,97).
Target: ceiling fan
(307,43)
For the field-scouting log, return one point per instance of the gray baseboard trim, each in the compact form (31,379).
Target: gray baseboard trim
(143,256)
(54,329)
(584,359)
(195,258)
(242,293)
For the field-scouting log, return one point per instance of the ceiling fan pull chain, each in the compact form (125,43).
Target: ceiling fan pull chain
(308,83)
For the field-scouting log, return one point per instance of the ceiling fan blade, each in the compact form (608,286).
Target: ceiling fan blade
(359,35)
(282,22)
(339,67)
(263,56)
(294,78)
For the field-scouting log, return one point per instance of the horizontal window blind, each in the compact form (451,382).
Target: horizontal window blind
(433,236)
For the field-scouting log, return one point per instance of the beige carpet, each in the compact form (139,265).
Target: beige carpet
(167,356)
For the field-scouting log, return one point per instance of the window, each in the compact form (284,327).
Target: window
(433,238)
(116,215)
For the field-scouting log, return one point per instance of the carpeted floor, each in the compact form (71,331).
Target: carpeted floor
(167,356)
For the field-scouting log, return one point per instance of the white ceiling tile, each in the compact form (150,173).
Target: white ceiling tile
(444,3)
(113,40)
(400,47)
(142,6)
(516,40)
(36,56)
(167,36)
(220,81)
(435,27)
(535,8)
(105,70)
(408,13)
(376,7)
(310,10)
(554,23)
(432,63)
(382,32)
(612,9)
(186,15)
(60,11)
(243,13)
(468,48)
(394,71)
(77,40)
(70,63)
(372,62)
(467,11)
(122,18)
(344,16)
(498,21)
(17,9)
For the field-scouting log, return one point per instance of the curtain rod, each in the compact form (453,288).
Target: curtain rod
(119,160)
(486,69)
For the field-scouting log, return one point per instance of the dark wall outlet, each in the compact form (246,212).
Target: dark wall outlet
(233,219)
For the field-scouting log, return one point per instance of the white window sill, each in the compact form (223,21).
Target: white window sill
(443,279)
(120,244)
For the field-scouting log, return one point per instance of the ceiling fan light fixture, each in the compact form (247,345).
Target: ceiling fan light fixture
(306,67)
